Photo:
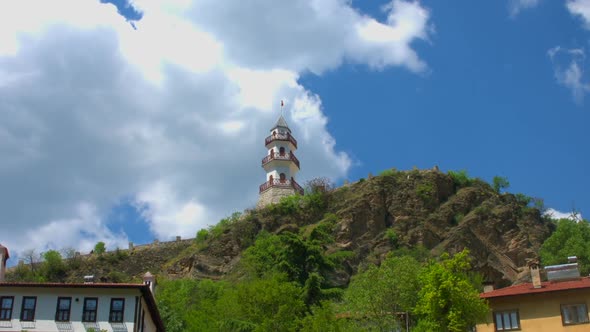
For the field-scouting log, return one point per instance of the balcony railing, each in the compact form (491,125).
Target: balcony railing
(278,156)
(281,184)
(281,137)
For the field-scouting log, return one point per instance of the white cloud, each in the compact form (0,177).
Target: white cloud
(572,74)
(173,114)
(580,8)
(516,6)
(555,214)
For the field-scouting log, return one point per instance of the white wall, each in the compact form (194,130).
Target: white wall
(47,303)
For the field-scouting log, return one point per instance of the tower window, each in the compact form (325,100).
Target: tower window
(282,151)
(283,178)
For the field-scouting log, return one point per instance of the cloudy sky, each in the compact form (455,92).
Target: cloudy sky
(145,119)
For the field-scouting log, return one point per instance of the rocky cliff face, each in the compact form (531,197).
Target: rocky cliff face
(412,209)
(417,208)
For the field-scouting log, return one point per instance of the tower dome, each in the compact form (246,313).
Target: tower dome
(280,165)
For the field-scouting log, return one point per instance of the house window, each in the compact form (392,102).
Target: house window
(89,311)
(507,320)
(117,309)
(6,303)
(62,313)
(27,312)
(574,314)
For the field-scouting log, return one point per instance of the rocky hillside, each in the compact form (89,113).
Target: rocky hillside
(394,210)
(398,209)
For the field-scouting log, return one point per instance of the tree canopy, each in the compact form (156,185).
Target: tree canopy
(571,238)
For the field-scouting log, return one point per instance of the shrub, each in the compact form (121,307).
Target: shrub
(425,191)
(460,178)
(523,199)
(223,224)
(458,218)
(319,185)
(391,235)
(100,248)
(287,205)
(500,183)
(202,235)
(389,172)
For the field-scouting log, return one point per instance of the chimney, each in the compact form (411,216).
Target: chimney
(535,275)
(150,280)
(488,286)
(4,256)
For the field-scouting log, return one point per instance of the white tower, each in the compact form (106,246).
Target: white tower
(280,165)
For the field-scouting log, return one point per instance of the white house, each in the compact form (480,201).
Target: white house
(88,306)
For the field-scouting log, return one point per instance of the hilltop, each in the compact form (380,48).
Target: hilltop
(425,209)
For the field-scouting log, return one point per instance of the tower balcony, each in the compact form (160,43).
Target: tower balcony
(287,137)
(287,156)
(281,184)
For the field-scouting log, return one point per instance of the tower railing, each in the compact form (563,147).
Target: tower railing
(281,184)
(278,156)
(281,137)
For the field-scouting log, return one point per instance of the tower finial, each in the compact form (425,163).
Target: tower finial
(282,106)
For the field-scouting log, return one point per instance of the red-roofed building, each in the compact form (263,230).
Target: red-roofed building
(83,307)
(551,306)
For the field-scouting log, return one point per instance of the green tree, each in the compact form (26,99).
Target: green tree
(460,178)
(53,266)
(322,318)
(499,183)
(380,291)
(100,248)
(449,297)
(202,235)
(302,258)
(571,238)
(269,304)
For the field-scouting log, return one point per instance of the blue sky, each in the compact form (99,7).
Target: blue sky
(120,133)
(489,103)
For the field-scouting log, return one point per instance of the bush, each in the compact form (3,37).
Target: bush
(523,199)
(389,172)
(319,185)
(460,178)
(223,225)
(391,235)
(287,205)
(100,248)
(500,183)
(202,235)
(425,191)
(458,218)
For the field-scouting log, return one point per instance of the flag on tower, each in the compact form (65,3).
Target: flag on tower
(282,104)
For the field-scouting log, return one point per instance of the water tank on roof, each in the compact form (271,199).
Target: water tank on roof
(562,272)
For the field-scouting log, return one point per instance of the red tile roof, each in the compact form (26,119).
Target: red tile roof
(547,286)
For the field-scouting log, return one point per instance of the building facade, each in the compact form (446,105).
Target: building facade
(78,307)
(281,165)
(559,304)
(72,307)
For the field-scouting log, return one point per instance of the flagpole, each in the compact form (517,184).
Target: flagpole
(282,106)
